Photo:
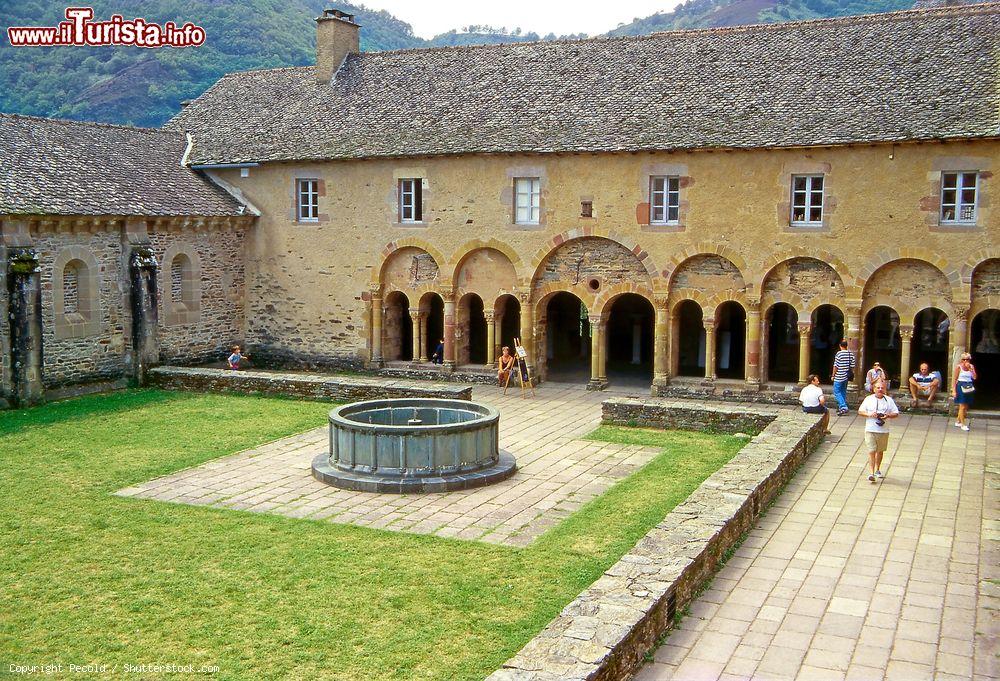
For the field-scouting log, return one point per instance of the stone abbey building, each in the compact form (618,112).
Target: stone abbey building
(695,211)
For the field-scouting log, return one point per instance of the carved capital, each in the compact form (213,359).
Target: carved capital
(906,332)
(961,313)
(805,328)
(490,316)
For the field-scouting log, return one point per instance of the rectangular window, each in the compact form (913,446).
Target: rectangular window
(527,200)
(410,200)
(807,199)
(959,197)
(307,199)
(664,200)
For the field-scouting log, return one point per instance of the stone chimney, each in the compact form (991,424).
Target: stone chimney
(336,37)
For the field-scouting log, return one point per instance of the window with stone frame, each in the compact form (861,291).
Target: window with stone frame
(664,200)
(411,200)
(527,200)
(807,200)
(307,200)
(177,279)
(959,197)
(71,288)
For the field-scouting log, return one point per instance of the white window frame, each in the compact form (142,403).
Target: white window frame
(527,200)
(410,200)
(307,199)
(808,203)
(665,199)
(958,205)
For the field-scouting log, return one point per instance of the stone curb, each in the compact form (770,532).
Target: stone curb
(339,388)
(608,629)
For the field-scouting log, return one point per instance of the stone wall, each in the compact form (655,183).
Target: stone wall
(310,386)
(217,323)
(607,630)
(582,260)
(5,360)
(655,413)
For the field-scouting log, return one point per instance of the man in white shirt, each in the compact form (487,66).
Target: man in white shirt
(877,408)
(814,401)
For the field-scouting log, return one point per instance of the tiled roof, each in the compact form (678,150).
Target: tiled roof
(56,167)
(921,74)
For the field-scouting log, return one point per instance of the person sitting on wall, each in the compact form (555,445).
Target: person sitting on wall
(438,356)
(814,401)
(923,385)
(234,359)
(505,364)
(874,376)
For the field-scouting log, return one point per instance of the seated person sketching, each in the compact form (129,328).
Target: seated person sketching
(814,401)
(924,385)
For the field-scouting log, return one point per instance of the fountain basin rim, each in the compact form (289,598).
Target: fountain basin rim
(341,416)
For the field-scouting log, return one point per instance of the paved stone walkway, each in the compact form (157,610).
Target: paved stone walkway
(557,473)
(845,579)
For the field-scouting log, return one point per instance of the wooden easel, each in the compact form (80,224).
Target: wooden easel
(521,367)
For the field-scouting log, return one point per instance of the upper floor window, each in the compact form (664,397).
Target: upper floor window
(410,200)
(664,200)
(307,200)
(959,195)
(807,199)
(527,200)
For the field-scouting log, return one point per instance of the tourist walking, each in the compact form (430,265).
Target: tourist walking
(236,358)
(878,408)
(874,375)
(963,389)
(814,401)
(843,372)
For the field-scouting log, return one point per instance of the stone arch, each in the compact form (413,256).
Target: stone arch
(469,248)
(799,281)
(907,285)
(975,260)
(586,266)
(486,271)
(183,306)
(926,255)
(707,278)
(985,285)
(408,269)
(566,237)
(606,298)
(391,249)
(83,284)
(705,248)
(850,285)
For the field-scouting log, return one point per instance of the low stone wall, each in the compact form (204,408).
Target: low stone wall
(315,386)
(607,630)
(432,373)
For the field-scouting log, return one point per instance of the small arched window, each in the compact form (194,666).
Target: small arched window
(71,287)
(180,269)
(180,285)
(75,294)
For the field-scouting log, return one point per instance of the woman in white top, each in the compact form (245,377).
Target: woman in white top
(962,389)
(874,375)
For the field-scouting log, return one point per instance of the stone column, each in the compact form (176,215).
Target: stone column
(528,330)
(415,321)
(958,338)
(376,360)
(852,330)
(595,353)
(449,330)
(491,337)
(424,338)
(24,285)
(709,350)
(661,336)
(142,300)
(674,346)
(906,347)
(602,364)
(753,344)
(805,334)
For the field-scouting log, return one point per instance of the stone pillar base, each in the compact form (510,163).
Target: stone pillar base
(597,384)
(447,366)
(753,385)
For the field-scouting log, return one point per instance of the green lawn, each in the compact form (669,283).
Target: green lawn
(87,577)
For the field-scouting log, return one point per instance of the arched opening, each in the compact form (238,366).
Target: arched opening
(432,306)
(730,340)
(397,329)
(985,349)
(508,320)
(567,338)
(630,340)
(782,343)
(470,340)
(930,341)
(690,339)
(827,332)
(180,279)
(882,342)
(71,286)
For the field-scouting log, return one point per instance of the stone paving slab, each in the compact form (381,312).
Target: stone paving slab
(843,579)
(557,473)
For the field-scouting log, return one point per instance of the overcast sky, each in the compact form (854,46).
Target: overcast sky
(430,17)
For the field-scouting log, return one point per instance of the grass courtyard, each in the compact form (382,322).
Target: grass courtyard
(91,578)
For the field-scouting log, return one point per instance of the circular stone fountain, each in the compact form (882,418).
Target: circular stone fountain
(413,445)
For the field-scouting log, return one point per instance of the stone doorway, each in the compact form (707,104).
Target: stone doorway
(567,339)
